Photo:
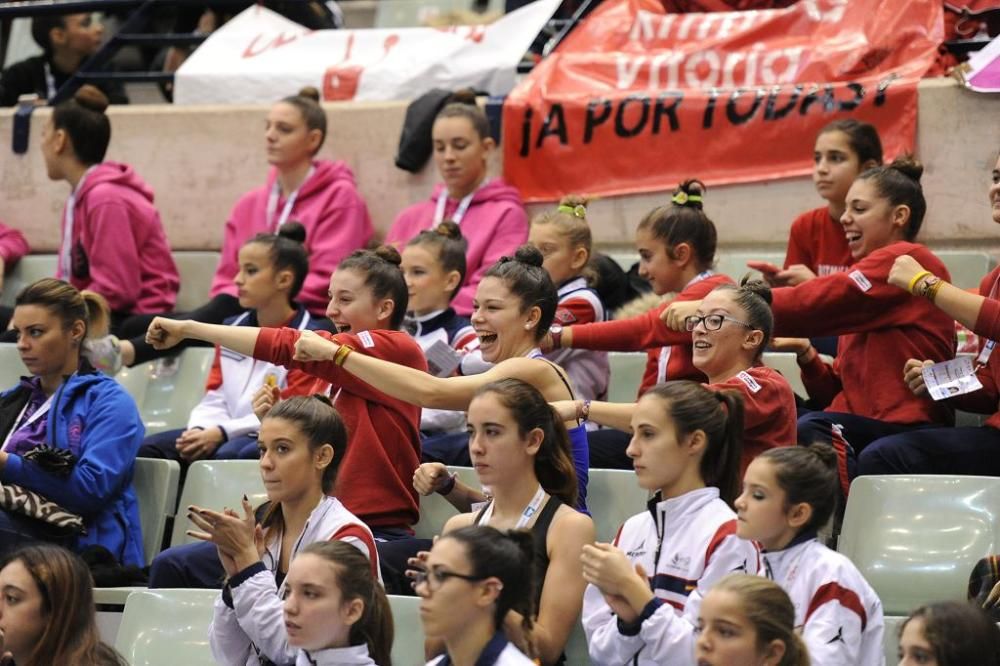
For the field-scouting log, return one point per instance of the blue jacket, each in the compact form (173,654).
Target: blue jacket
(98,421)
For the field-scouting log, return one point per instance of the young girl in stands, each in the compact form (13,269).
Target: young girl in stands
(112,240)
(434,269)
(475,580)
(644,590)
(368,298)
(964,450)
(13,246)
(336,612)
(223,425)
(489,211)
(676,245)
(817,245)
(47,610)
(319,194)
(880,326)
(748,620)
(950,633)
(788,495)
(520,450)
(563,238)
(302,444)
(68,433)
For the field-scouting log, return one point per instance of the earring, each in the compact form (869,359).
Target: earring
(527,327)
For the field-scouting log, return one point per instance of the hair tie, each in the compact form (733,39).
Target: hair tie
(578,210)
(682,198)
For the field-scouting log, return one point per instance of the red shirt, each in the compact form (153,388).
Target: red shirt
(669,351)
(818,241)
(985,400)
(375,481)
(881,326)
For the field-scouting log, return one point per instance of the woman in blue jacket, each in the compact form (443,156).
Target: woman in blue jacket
(67,432)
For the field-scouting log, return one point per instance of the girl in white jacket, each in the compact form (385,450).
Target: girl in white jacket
(788,494)
(645,589)
(336,612)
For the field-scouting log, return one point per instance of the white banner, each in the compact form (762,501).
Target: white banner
(260,56)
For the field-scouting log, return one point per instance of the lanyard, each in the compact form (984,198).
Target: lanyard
(19,424)
(272,203)
(459,213)
(526,515)
(66,251)
(50,83)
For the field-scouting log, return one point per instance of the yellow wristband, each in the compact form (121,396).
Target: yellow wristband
(341,354)
(917,278)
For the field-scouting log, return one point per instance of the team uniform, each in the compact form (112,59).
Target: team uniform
(769,414)
(817,241)
(498,652)
(687,544)
(588,370)
(836,610)
(448,328)
(355,655)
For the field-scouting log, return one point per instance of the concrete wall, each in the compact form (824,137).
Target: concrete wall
(199,160)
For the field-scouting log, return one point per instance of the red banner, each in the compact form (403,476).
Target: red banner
(636,100)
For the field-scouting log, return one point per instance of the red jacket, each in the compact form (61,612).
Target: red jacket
(881,326)
(985,400)
(769,416)
(375,481)
(669,351)
(818,241)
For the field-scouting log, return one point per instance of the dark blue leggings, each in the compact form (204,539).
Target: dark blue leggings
(968,450)
(162,445)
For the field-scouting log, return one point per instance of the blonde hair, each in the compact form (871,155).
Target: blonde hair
(570,218)
(69,304)
(770,611)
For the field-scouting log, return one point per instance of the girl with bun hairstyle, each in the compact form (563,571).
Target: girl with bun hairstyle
(111,239)
(368,299)
(880,326)
(563,237)
(788,495)
(319,194)
(949,633)
(223,424)
(489,211)
(676,246)
(748,621)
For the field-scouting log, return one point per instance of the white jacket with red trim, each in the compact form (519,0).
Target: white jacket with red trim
(587,369)
(253,625)
(837,611)
(688,543)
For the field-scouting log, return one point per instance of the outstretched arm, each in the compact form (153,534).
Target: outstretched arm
(166,333)
(956,303)
(612,414)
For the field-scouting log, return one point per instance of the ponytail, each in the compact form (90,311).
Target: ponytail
(808,475)
(768,608)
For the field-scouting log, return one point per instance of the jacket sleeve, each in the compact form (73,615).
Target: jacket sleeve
(727,554)
(511,231)
(343,228)
(114,261)
(833,628)
(639,333)
(112,433)
(988,321)
(799,247)
(258,611)
(230,645)
(13,246)
(821,381)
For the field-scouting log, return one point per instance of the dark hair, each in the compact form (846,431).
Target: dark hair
(70,635)
(861,137)
(41,26)
(450,246)
(683,220)
(754,297)
(84,121)
(570,216)
(961,634)
(383,276)
(899,183)
(68,304)
(509,557)
(719,414)
(462,104)
(307,103)
(356,580)
(287,251)
(807,474)
(320,423)
(553,462)
(768,608)
(525,278)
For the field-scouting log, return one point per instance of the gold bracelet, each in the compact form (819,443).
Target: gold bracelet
(931,290)
(341,354)
(917,278)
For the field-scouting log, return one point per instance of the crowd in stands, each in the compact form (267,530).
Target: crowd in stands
(357,373)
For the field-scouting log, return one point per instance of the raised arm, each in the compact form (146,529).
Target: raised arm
(964,307)
(612,414)
(165,333)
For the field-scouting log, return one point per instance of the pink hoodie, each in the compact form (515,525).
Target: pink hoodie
(12,245)
(495,225)
(328,206)
(119,248)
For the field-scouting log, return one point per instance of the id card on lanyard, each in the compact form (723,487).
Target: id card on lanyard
(460,210)
(272,203)
(66,249)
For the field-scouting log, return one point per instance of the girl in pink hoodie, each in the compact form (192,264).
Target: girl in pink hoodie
(489,212)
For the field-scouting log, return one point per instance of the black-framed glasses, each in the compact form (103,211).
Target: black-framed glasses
(712,322)
(435,578)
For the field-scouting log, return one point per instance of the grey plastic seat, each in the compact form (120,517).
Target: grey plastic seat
(28,269)
(967,268)
(626,370)
(917,538)
(161,627)
(435,509)
(168,389)
(408,639)
(613,496)
(788,366)
(11,368)
(890,640)
(216,484)
(196,270)
(155,483)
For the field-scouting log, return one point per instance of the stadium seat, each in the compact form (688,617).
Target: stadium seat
(215,484)
(627,369)
(734,264)
(435,509)
(155,483)
(167,390)
(161,627)
(11,367)
(890,640)
(196,270)
(408,638)
(27,270)
(967,269)
(916,538)
(613,496)
(788,366)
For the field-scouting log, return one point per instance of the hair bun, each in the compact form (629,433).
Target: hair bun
(293,231)
(530,255)
(825,453)
(449,230)
(690,194)
(909,167)
(463,96)
(91,98)
(310,92)
(388,253)
(758,287)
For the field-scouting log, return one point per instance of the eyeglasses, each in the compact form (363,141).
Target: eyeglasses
(435,578)
(712,322)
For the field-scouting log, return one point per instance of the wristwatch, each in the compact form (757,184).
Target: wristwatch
(555,334)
